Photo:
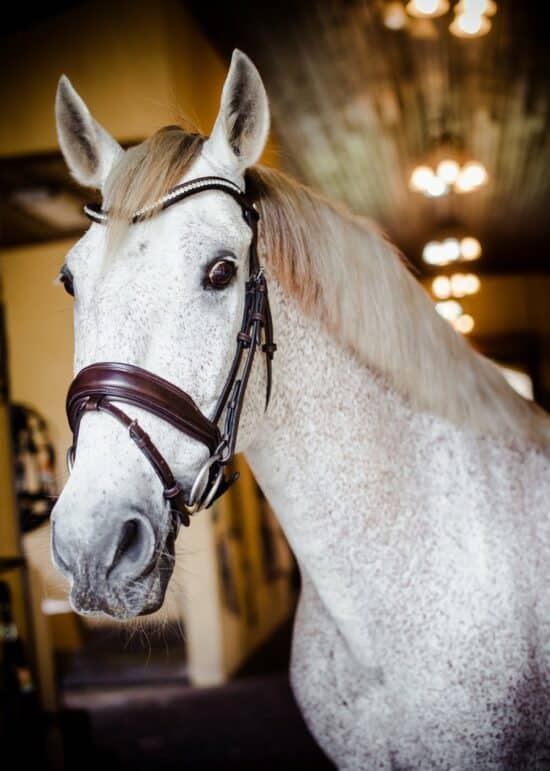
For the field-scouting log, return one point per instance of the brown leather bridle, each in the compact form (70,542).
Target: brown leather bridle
(99,385)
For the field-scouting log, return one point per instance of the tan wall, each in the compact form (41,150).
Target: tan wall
(40,333)
(511,304)
(135,63)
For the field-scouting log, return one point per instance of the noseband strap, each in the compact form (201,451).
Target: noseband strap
(133,385)
(99,385)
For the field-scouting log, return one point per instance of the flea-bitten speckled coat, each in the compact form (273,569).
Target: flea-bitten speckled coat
(422,639)
(423,631)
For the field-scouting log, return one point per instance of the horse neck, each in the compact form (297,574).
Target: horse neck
(346,461)
(322,425)
(338,437)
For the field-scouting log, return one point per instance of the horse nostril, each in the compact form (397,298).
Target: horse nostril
(134,549)
(128,539)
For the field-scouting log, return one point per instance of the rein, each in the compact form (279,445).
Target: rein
(97,386)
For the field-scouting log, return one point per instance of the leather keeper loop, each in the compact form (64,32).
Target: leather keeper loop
(245,339)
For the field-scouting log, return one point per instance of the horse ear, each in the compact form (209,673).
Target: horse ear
(89,150)
(241,128)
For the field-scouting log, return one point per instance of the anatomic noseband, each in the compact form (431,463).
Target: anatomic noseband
(98,386)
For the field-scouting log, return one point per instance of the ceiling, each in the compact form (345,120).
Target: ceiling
(356,106)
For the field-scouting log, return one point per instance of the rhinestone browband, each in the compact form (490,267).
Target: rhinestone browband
(97,214)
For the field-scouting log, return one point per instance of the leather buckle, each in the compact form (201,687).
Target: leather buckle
(133,429)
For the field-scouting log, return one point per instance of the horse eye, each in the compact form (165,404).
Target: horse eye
(220,273)
(66,278)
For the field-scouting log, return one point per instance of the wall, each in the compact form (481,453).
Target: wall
(40,333)
(138,64)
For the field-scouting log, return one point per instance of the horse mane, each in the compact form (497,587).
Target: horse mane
(343,272)
(145,173)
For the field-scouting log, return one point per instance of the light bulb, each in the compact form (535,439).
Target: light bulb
(463,284)
(472,175)
(394,16)
(420,178)
(470,248)
(469,22)
(475,172)
(450,249)
(435,187)
(449,309)
(458,285)
(427,8)
(448,171)
(441,287)
(470,25)
(463,323)
(472,283)
(431,254)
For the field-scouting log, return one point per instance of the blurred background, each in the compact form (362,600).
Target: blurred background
(429,116)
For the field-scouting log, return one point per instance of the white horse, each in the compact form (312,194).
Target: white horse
(411,481)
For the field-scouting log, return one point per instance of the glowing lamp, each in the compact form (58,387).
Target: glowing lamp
(471,283)
(394,16)
(427,8)
(472,175)
(470,25)
(435,188)
(450,249)
(431,254)
(421,178)
(458,285)
(470,248)
(441,287)
(448,171)
(449,309)
(464,323)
